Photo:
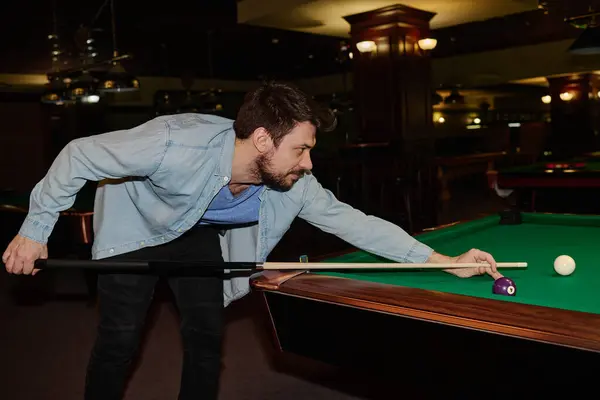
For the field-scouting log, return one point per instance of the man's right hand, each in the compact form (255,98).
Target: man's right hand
(21,254)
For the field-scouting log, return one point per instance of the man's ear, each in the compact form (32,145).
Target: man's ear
(262,140)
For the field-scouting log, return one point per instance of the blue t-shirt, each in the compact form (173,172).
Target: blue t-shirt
(227,209)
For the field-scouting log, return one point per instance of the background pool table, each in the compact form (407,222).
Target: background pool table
(579,172)
(77,220)
(555,186)
(381,319)
(72,236)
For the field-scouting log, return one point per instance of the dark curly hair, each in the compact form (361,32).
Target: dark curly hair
(278,107)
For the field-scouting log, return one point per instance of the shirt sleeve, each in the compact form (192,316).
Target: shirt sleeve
(369,233)
(136,152)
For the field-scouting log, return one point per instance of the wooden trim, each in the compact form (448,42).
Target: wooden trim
(544,324)
(566,181)
(272,321)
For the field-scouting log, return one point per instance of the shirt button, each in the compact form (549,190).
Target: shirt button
(225,178)
(111,251)
(142,243)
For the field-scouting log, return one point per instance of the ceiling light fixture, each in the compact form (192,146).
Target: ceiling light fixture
(427,44)
(366,46)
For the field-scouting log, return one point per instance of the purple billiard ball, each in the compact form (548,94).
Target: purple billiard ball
(504,286)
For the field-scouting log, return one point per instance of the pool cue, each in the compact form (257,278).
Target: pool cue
(137,265)
(326,265)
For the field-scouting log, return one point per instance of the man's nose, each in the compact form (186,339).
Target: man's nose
(306,162)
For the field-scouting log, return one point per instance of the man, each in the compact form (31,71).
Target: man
(198,187)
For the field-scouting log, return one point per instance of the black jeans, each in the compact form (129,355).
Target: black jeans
(124,301)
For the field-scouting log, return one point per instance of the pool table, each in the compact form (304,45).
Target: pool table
(559,186)
(450,168)
(72,236)
(14,206)
(383,319)
(575,173)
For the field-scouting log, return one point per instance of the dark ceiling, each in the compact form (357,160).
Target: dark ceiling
(202,37)
(166,39)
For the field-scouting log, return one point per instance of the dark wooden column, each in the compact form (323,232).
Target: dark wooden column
(392,84)
(575,121)
(393,99)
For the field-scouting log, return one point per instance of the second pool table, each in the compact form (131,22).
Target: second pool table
(372,318)
(570,186)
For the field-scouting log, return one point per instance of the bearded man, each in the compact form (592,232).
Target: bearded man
(193,187)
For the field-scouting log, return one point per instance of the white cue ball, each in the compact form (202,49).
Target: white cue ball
(564,265)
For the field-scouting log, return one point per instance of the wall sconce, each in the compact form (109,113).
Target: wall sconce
(438,118)
(566,96)
(547,99)
(366,46)
(427,44)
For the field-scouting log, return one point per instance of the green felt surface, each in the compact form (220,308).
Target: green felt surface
(538,241)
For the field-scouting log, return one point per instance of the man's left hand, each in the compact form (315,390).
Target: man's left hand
(475,256)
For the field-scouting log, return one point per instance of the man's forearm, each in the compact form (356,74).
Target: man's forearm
(366,232)
(437,258)
(113,155)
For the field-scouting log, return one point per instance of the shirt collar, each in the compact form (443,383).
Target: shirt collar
(226,156)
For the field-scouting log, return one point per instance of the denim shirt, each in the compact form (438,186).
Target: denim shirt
(157,179)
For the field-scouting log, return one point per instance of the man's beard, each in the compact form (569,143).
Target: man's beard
(277,181)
